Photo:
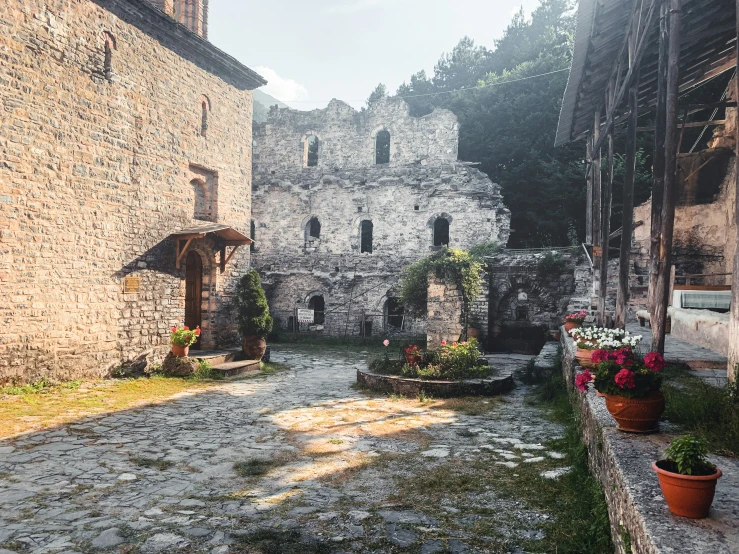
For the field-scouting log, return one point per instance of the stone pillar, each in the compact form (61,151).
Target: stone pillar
(445,306)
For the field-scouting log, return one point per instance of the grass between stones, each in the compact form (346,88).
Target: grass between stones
(269,541)
(705,410)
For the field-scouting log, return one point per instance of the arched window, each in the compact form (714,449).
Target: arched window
(204,109)
(365,229)
(318,305)
(441,231)
(252,235)
(394,313)
(314,228)
(310,154)
(382,147)
(109,45)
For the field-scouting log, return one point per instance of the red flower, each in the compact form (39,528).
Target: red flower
(582,380)
(654,361)
(625,379)
(599,356)
(454,343)
(174,329)
(624,357)
(197,331)
(187,328)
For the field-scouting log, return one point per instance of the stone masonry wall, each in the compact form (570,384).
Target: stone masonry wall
(95,172)
(347,138)
(401,202)
(445,313)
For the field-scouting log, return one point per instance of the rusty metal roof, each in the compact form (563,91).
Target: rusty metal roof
(201,230)
(708,49)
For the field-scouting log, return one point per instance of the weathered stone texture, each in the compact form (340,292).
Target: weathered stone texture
(347,138)
(95,172)
(445,313)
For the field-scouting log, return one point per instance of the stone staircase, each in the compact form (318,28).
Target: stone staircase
(228,362)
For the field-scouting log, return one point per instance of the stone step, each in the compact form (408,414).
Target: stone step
(216,357)
(237,368)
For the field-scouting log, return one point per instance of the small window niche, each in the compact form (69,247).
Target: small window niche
(252,235)
(382,147)
(204,111)
(522,313)
(318,305)
(365,229)
(441,231)
(312,233)
(310,151)
(109,45)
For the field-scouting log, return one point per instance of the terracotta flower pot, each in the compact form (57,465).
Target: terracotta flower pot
(254,347)
(687,495)
(570,325)
(583,358)
(413,360)
(180,351)
(636,415)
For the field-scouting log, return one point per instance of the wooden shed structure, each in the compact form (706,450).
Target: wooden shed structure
(634,56)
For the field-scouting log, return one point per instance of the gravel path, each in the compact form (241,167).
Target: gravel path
(322,467)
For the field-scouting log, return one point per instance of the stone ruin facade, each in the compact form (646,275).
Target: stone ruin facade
(120,128)
(344,200)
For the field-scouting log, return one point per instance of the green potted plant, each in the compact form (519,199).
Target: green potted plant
(255,323)
(182,339)
(630,385)
(687,479)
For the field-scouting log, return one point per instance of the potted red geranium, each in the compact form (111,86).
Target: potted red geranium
(575,319)
(631,387)
(413,355)
(182,339)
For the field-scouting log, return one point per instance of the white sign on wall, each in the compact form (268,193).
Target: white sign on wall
(305,316)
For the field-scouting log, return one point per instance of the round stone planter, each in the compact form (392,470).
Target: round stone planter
(490,386)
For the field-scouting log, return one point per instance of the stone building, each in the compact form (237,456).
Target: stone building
(345,200)
(125,182)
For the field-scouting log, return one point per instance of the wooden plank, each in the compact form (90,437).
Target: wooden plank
(223,259)
(701,287)
(662,288)
(605,231)
(658,168)
(627,234)
(712,123)
(182,252)
(733,365)
(589,193)
(597,182)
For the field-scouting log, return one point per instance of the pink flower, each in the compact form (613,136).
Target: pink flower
(582,380)
(654,361)
(599,356)
(443,343)
(386,342)
(625,379)
(624,356)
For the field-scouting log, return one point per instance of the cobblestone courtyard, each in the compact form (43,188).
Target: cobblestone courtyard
(299,461)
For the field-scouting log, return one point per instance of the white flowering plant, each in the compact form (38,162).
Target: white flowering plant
(600,338)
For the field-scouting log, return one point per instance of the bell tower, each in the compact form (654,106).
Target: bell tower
(193,14)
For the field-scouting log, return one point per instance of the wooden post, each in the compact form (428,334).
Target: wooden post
(733,367)
(628,220)
(658,183)
(662,288)
(605,234)
(295,322)
(589,201)
(596,157)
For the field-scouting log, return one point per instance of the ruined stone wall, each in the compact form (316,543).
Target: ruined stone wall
(445,313)
(347,138)
(95,172)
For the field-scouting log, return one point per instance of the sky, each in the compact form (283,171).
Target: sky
(311,51)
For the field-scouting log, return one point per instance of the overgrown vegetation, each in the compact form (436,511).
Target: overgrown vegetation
(42,386)
(272,541)
(254,467)
(709,412)
(205,372)
(451,265)
(161,465)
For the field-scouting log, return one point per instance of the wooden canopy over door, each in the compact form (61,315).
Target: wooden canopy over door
(193,292)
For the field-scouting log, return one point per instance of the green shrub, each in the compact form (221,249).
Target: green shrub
(451,362)
(688,454)
(252,308)
(205,372)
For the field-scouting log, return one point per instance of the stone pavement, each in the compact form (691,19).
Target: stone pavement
(334,464)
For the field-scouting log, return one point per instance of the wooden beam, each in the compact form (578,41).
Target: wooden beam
(597,182)
(181,253)
(662,289)
(733,365)
(605,231)
(686,125)
(589,193)
(223,259)
(231,255)
(191,236)
(658,168)
(622,298)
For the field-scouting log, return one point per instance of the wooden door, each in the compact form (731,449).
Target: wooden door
(193,292)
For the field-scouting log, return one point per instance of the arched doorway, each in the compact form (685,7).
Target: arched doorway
(193,292)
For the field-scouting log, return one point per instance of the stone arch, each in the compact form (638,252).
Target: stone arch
(375,136)
(316,301)
(109,45)
(366,231)
(310,145)
(439,226)
(209,285)
(204,111)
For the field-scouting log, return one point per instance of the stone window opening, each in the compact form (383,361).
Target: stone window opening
(252,235)
(202,209)
(522,313)
(204,109)
(382,147)
(318,305)
(109,45)
(394,313)
(441,231)
(312,233)
(365,229)
(310,153)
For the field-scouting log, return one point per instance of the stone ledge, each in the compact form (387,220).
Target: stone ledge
(622,463)
(493,386)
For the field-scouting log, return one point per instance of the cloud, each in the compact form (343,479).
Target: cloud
(285,90)
(354,6)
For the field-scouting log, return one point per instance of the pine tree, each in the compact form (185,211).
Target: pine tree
(252,307)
